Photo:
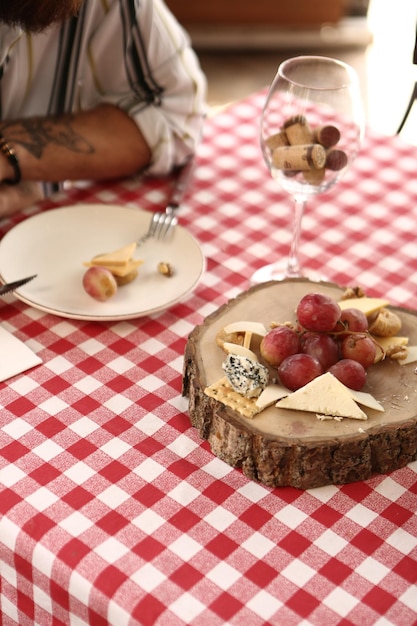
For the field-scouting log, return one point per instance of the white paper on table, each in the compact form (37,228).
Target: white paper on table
(15,356)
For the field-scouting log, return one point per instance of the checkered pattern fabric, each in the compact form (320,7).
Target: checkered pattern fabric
(113,511)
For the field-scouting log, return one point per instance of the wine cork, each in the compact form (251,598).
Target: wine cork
(314,177)
(291,173)
(327,136)
(336,160)
(277,140)
(304,157)
(298,131)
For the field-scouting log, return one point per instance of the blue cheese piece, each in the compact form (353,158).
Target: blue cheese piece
(246,376)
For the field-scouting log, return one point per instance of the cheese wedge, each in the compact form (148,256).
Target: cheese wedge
(257,328)
(118,270)
(387,342)
(234,348)
(117,257)
(324,395)
(271,394)
(366,399)
(389,345)
(366,305)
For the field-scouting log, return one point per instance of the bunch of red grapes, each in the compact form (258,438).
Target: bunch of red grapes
(325,339)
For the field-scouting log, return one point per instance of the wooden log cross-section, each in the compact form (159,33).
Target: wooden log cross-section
(281,447)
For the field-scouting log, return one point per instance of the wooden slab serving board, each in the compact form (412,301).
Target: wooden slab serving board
(280,447)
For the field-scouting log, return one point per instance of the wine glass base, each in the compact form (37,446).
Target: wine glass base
(279,271)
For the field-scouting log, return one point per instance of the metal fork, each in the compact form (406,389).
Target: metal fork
(161,225)
(164,222)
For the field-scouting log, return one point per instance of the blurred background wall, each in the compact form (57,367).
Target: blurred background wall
(241,43)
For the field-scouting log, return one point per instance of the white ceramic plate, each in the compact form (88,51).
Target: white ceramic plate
(55,243)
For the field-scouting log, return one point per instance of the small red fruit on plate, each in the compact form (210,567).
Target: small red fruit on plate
(360,348)
(354,320)
(323,347)
(99,283)
(299,369)
(349,372)
(279,343)
(318,312)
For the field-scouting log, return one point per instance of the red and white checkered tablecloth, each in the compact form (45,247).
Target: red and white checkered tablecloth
(113,511)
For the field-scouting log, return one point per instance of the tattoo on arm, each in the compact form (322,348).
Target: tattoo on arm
(36,134)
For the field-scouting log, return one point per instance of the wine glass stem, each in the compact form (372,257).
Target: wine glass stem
(293,264)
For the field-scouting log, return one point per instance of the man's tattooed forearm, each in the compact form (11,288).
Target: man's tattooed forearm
(36,134)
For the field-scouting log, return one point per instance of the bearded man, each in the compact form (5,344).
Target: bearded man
(93,91)
(36,16)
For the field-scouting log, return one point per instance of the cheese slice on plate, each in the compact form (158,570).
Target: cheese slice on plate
(324,395)
(118,270)
(121,256)
(366,305)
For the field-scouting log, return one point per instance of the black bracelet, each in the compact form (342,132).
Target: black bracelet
(11,156)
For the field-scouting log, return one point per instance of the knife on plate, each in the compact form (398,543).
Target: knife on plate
(6,288)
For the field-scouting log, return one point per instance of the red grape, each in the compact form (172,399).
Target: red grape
(360,348)
(318,312)
(299,369)
(351,373)
(279,343)
(323,347)
(354,320)
(99,283)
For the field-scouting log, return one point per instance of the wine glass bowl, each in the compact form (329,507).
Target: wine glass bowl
(310,133)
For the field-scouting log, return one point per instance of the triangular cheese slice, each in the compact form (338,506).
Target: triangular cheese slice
(366,305)
(118,270)
(387,345)
(366,399)
(324,395)
(235,348)
(271,394)
(117,257)
(391,342)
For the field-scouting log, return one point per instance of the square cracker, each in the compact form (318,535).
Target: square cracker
(223,392)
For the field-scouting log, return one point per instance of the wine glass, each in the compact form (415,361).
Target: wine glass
(311,128)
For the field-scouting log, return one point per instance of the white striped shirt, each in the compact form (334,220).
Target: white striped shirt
(131,53)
